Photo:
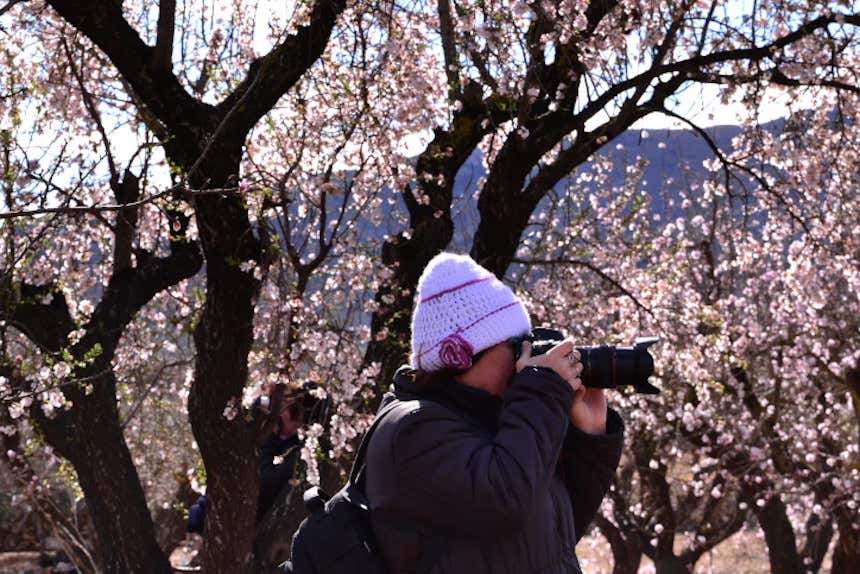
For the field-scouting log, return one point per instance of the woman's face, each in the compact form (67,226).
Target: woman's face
(493,371)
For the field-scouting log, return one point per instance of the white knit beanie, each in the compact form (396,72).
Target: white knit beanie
(460,310)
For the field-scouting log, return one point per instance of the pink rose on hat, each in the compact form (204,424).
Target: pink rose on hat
(455,352)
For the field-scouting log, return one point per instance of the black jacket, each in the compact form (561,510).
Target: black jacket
(274,477)
(474,484)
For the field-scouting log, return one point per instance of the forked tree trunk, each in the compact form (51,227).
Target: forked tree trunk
(115,500)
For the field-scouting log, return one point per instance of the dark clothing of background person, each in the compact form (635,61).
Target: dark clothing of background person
(274,477)
(477,484)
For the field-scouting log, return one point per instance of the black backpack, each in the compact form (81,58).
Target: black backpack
(336,537)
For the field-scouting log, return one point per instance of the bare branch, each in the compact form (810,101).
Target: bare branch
(773,75)
(691,66)
(727,163)
(91,108)
(96,209)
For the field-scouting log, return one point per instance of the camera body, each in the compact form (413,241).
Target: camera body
(300,400)
(603,366)
(305,401)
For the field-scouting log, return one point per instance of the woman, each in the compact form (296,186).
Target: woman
(487,464)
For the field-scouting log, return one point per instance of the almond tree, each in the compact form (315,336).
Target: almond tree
(539,88)
(139,57)
(758,358)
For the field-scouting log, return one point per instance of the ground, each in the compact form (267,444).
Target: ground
(744,553)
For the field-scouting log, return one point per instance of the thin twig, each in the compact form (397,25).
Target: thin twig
(93,209)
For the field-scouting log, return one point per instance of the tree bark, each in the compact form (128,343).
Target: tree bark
(223,338)
(626,547)
(779,536)
(115,500)
(671,564)
(275,531)
(817,543)
(846,554)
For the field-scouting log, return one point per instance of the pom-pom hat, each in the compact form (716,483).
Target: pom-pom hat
(460,310)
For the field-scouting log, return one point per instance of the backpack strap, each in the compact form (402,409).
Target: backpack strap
(357,472)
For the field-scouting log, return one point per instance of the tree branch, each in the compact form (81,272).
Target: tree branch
(47,324)
(26,478)
(449,50)
(693,65)
(281,68)
(163,54)
(774,75)
(102,21)
(90,105)
(587,144)
(96,209)
(9,5)
(727,164)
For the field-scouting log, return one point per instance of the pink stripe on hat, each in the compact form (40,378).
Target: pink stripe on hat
(461,330)
(457,288)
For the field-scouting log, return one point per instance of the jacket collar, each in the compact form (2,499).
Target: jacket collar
(477,404)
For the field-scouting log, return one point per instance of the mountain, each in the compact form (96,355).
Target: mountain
(673,157)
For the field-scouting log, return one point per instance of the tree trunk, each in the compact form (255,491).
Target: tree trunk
(275,531)
(406,258)
(408,253)
(818,537)
(846,555)
(88,433)
(626,547)
(431,227)
(504,217)
(670,564)
(779,535)
(223,338)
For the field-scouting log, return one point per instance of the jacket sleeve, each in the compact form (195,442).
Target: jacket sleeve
(464,478)
(588,464)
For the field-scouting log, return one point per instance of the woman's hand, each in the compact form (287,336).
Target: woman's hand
(563,359)
(588,412)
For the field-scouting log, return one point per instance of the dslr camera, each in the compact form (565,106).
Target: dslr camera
(603,366)
(299,400)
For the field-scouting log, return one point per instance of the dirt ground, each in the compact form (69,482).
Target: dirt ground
(17,562)
(744,553)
